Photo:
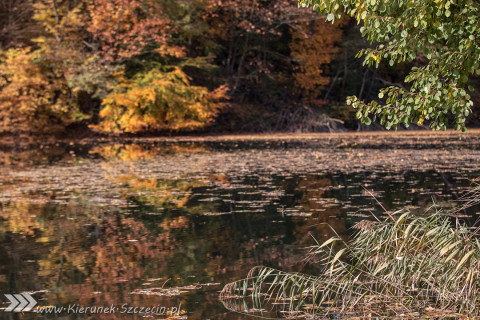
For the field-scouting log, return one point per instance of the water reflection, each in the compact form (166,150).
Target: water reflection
(169,224)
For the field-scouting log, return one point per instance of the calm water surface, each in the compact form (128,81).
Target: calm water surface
(168,222)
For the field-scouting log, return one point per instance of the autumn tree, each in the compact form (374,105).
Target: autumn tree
(158,100)
(313,47)
(154,92)
(250,32)
(35,94)
(445,33)
(90,52)
(255,54)
(122,29)
(32,97)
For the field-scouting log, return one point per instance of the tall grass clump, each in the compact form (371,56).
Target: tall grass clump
(400,265)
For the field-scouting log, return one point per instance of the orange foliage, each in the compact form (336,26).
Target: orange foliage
(81,50)
(314,46)
(125,27)
(247,27)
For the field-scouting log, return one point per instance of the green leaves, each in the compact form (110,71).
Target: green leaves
(445,32)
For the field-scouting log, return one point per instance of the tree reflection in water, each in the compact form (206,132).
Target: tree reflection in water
(103,222)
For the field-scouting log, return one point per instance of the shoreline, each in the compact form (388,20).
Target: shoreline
(10,140)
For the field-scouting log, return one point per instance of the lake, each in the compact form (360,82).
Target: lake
(167,222)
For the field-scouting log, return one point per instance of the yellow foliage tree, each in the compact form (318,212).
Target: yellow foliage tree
(32,96)
(35,93)
(158,100)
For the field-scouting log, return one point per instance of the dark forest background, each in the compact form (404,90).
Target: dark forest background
(156,66)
